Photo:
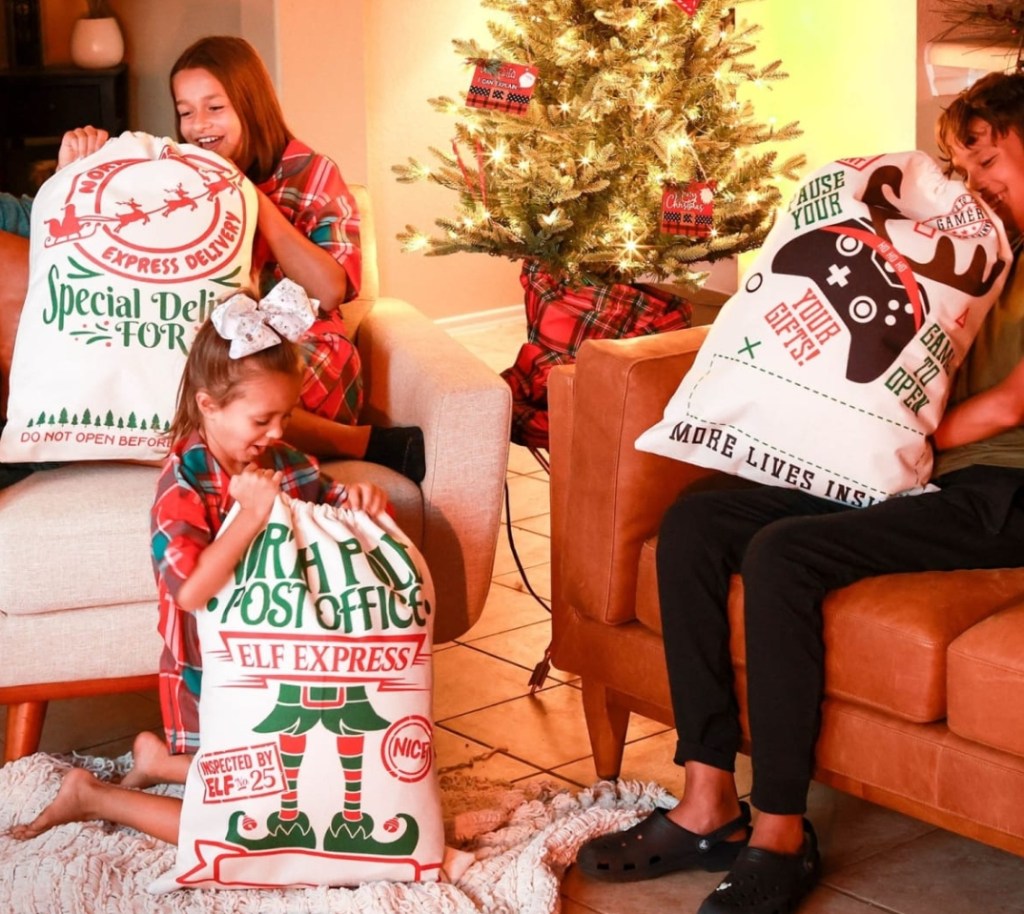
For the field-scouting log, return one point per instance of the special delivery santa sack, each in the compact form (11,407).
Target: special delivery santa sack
(316,761)
(130,249)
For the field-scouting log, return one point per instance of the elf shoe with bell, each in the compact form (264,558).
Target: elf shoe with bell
(281,832)
(356,836)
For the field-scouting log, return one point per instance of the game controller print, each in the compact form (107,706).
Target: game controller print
(871,286)
(863,288)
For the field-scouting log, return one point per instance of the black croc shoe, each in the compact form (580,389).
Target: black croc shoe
(657,846)
(764,882)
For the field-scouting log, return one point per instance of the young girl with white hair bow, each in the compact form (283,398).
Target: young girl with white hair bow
(238,391)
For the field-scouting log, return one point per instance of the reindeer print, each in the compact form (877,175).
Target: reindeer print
(135,214)
(180,200)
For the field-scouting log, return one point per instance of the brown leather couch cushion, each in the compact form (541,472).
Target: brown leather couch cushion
(610,524)
(887,637)
(13,288)
(986,682)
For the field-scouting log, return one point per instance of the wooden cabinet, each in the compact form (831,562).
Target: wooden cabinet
(38,104)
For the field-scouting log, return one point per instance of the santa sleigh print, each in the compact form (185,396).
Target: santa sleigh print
(197,182)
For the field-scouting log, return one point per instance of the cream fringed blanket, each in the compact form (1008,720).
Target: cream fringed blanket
(521,840)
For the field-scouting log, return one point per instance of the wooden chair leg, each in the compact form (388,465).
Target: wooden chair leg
(24,729)
(606,725)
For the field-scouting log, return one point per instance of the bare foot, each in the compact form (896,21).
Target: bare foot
(149,754)
(70,805)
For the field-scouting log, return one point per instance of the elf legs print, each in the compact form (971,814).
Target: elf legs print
(345,711)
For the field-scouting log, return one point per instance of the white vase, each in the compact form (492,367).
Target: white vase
(96,43)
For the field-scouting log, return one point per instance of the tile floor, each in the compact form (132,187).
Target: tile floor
(875,860)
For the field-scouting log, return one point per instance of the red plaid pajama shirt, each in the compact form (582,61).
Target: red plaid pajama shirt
(190,506)
(309,190)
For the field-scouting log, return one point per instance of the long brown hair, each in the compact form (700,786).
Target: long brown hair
(239,69)
(209,367)
(997,99)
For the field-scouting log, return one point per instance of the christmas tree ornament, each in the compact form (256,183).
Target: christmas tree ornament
(690,6)
(688,210)
(479,149)
(501,86)
(481,182)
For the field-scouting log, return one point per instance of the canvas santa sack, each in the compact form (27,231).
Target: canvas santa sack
(316,761)
(831,366)
(130,248)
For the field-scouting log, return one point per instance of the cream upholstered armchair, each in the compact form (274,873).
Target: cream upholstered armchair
(77,597)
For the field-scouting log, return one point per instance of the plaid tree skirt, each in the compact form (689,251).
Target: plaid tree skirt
(559,319)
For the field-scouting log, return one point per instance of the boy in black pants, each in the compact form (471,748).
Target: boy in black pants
(792,549)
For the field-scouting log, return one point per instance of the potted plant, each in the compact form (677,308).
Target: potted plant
(96,40)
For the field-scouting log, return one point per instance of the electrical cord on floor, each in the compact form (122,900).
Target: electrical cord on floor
(515,554)
(540,672)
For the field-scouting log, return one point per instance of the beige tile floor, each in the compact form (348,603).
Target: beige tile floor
(875,860)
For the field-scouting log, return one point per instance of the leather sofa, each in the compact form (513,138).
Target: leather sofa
(924,687)
(77,595)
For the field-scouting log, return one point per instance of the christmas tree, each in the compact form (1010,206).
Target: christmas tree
(624,149)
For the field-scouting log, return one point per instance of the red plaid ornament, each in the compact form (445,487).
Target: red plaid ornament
(689,5)
(688,210)
(502,86)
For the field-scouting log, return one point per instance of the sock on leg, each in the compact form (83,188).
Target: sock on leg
(400,448)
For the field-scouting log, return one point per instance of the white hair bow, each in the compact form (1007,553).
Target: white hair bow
(252,325)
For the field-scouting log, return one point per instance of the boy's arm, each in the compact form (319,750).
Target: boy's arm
(986,414)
